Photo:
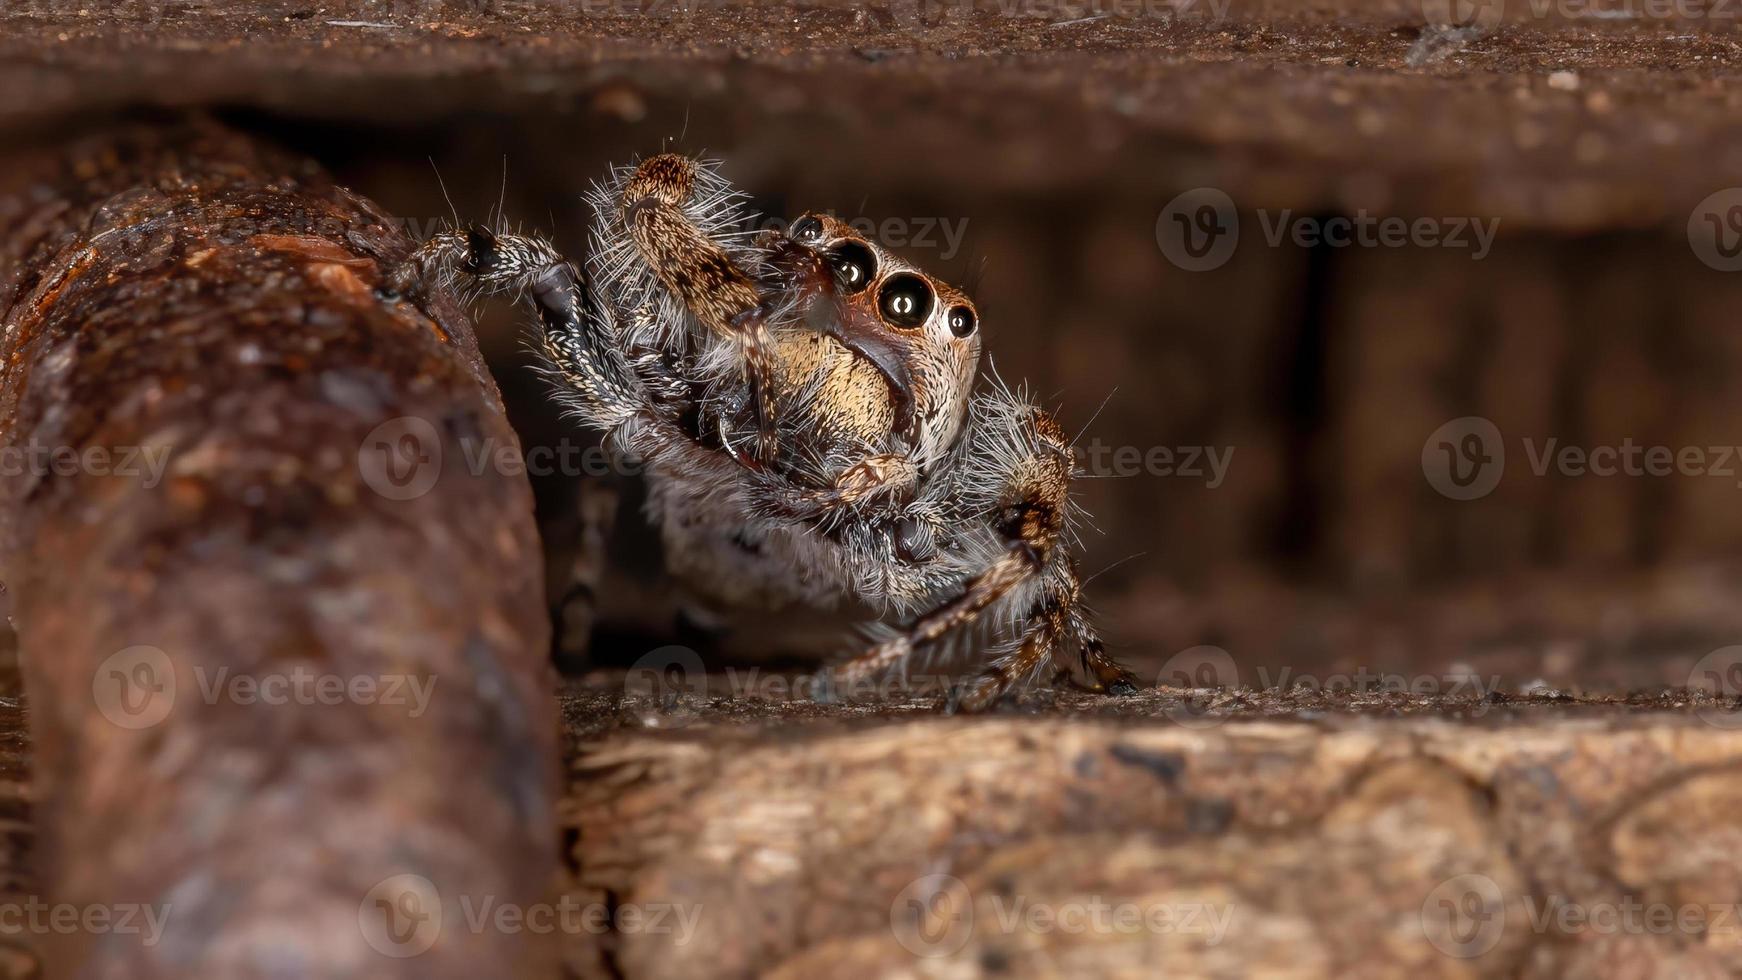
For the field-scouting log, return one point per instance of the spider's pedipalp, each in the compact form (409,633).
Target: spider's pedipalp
(671,214)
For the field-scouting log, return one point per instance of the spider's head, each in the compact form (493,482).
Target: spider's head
(920,333)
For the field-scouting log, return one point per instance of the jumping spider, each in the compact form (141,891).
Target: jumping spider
(803,405)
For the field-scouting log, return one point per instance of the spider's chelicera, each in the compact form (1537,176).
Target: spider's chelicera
(803,404)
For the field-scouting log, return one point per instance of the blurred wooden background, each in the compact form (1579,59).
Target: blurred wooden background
(1055,143)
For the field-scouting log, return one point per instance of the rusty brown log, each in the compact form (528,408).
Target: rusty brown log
(283,638)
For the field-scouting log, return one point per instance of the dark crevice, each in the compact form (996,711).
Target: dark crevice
(1302,410)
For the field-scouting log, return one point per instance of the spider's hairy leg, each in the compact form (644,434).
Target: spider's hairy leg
(876,479)
(1042,637)
(574,329)
(698,271)
(1049,628)
(1100,672)
(1025,462)
(1009,570)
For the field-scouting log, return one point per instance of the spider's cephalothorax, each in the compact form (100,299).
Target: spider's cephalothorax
(860,307)
(803,405)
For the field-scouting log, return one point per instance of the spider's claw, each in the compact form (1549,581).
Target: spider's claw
(752,318)
(481,253)
(1124,687)
(1104,674)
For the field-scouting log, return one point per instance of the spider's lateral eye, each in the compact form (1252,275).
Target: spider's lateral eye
(905,300)
(961,321)
(854,264)
(808,230)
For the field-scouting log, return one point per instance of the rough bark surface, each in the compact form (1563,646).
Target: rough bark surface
(1386,836)
(1247,833)
(271,542)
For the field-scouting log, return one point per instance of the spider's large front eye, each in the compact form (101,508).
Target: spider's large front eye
(961,321)
(905,301)
(807,230)
(854,264)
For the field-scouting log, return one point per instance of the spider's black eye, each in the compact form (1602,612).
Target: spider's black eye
(854,264)
(961,321)
(807,230)
(905,300)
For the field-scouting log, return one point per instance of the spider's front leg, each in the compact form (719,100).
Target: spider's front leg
(1054,628)
(574,331)
(1017,475)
